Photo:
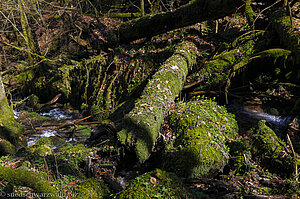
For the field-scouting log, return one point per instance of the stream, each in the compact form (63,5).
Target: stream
(248,116)
(55,115)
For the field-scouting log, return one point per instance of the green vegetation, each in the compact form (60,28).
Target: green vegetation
(271,151)
(145,119)
(118,78)
(156,184)
(202,128)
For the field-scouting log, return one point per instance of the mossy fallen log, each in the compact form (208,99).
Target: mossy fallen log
(125,15)
(10,129)
(142,125)
(271,151)
(216,72)
(202,128)
(282,24)
(23,177)
(194,12)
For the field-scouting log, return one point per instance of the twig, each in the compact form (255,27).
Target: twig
(296,167)
(146,193)
(265,10)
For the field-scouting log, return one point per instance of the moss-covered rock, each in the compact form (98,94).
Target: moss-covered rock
(240,155)
(6,147)
(271,151)
(202,129)
(29,118)
(156,184)
(42,147)
(91,189)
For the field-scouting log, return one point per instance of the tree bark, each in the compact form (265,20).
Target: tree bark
(194,12)
(142,125)
(10,130)
(289,38)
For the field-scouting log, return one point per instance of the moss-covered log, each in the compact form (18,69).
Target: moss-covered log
(271,151)
(10,130)
(194,12)
(25,178)
(216,72)
(289,37)
(141,126)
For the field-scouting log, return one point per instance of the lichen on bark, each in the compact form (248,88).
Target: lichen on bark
(142,125)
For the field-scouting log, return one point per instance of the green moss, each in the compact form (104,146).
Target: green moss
(24,77)
(83,132)
(23,177)
(72,157)
(42,150)
(6,147)
(91,189)
(195,154)
(250,14)
(240,155)
(44,141)
(42,147)
(33,102)
(206,113)
(143,123)
(27,117)
(9,128)
(156,184)
(269,150)
(202,129)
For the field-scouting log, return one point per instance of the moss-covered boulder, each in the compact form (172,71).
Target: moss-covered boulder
(6,147)
(270,151)
(42,147)
(91,189)
(202,128)
(156,184)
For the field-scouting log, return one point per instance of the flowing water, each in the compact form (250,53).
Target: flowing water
(55,115)
(249,115)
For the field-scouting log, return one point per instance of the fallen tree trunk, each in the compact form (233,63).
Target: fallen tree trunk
(289,37)
(10,130)
(194,12)
(142,125)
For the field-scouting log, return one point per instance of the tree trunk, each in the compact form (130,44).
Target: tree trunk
(10,130)
(289,37)
(194,12)
(23,177)
(142,125)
